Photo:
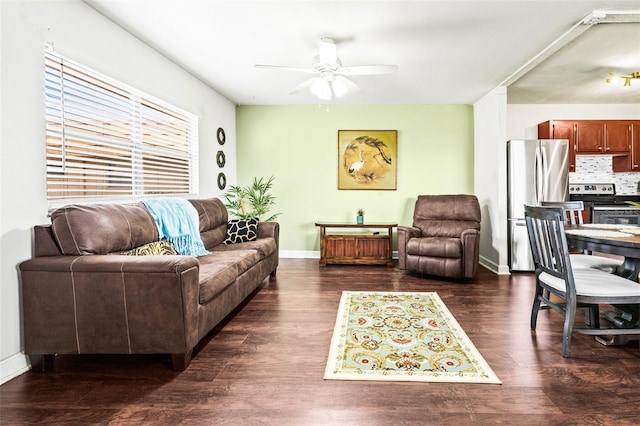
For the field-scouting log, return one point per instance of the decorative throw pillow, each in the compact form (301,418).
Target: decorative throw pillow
(241,230)
(154,248)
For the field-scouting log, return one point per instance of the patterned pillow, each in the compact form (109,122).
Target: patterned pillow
(154,248)
(241,230)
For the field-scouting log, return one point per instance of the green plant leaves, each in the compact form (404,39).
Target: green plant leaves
(254,200)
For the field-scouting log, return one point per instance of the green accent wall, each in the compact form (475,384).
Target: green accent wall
(298,145)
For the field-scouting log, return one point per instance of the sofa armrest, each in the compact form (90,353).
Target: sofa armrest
(404,234)
(110,304)
(470,251)
(269,229)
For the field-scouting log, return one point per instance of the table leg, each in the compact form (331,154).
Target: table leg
(323,247)
(630,269)
(625,316)
(390,259)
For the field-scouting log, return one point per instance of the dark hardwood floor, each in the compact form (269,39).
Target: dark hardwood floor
(264,366)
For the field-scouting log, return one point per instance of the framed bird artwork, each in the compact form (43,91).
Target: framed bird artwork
(367,159)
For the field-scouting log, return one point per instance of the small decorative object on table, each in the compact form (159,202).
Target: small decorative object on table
(360,218)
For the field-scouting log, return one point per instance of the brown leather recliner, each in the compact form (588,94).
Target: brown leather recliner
(445,237)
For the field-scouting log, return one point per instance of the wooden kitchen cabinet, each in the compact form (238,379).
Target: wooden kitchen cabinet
(593,137)
(561,129)
(631,162)
(602,137)
(617,136)
(589,137)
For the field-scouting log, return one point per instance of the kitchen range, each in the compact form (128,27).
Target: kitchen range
(603,205)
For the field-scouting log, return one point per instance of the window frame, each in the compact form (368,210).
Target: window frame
(109,142)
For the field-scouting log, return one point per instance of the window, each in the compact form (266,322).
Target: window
(105,139)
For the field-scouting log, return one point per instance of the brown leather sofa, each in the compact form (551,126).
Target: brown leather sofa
(445,237)
(82,296)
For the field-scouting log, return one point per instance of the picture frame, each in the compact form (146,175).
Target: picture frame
(367,159)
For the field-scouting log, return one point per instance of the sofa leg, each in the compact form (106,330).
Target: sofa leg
(272,275)
(180,362)
(42,363)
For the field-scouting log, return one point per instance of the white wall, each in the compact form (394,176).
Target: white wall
(489,118)
(80,33)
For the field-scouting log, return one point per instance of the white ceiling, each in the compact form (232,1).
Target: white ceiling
(448,52)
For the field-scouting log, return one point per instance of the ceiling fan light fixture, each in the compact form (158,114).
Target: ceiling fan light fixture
(320,87)
(339,87)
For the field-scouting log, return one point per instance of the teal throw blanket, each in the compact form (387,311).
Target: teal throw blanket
(177,221)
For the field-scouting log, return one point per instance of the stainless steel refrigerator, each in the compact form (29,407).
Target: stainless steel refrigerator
(537,170)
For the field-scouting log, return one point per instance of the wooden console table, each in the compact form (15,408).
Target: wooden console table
(356,248)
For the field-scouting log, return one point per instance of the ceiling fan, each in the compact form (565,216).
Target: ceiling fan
(331,77)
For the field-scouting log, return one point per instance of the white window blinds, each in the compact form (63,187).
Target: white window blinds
(106,139)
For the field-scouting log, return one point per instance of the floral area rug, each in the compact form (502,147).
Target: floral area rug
(396,336)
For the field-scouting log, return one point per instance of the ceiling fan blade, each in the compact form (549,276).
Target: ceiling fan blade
(368,70)
(327,48)
(302,86)
(285,68)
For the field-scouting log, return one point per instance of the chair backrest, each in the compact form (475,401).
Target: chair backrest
(446,215)
(545,226)
(572,209)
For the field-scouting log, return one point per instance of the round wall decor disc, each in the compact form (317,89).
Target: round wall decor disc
(221,136)
(221,159)
(222,180)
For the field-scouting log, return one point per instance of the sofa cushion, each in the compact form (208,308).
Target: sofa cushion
(213,218)
(435,247)
(214,278)
(241,230)
(102,228)
(154,248)
(242,260)
(219,269)
(263,246)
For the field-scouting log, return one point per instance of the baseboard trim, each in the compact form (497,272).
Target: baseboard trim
(299,254)
(13,366)
(494,267)
(310,254)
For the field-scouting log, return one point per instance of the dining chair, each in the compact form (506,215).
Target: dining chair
(573,210)
(573,214)
(577,288)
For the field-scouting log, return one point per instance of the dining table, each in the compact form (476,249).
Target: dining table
(612,239)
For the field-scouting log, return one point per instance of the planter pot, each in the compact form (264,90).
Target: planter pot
(360,220)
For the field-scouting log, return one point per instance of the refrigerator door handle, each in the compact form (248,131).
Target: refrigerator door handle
(537,177)
(545,176)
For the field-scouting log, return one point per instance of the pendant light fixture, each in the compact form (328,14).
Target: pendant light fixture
(625,79)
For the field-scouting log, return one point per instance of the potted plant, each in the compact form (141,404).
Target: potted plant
(254,200)
(360,218)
